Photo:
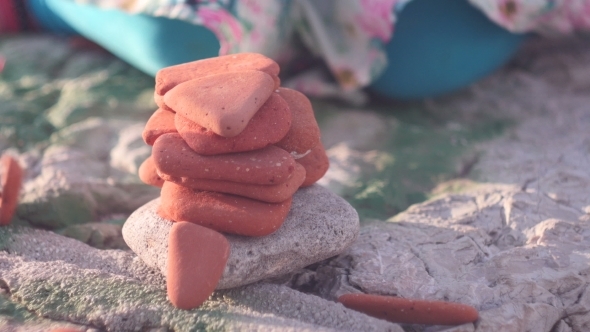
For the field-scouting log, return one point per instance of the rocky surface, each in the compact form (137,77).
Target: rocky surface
(87,173)
(68,282)
(319,225)
(511,240)
(521,258)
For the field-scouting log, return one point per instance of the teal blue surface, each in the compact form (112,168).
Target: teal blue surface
(439,46)
(148,43)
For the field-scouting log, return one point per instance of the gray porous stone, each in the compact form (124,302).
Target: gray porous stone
(320,225)
(49,281)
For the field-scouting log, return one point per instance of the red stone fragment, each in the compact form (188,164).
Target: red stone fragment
(11,180)
(160,102)
(267,166)
(196,260)
(266,193)
(222,212)
(65,329)
(304,134)
(148,174)
(269,125)
(408,311)
(223,103)
(160,123)
(169,77)
(316,164)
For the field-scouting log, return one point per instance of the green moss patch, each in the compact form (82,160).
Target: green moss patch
(422,151)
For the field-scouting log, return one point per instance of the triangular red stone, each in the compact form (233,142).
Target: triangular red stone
(222,103)
(196,260)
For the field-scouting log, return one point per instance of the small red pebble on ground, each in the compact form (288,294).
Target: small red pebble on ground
(12,177)
(409,311)
(196,260)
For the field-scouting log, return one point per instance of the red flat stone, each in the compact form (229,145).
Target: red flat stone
(408,311)
(222,212)
(169,77)
(148,173)
(160,102)
(223,103)
(160,123)
(269,125)
(196,260)
(304,134)
(267,166)
(266,193)
(316,164)
(11,181)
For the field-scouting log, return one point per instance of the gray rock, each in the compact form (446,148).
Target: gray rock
(320,225)
(64,280)
(88,172)
(518,257)
(101,235)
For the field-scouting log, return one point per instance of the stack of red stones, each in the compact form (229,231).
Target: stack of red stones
(230,148)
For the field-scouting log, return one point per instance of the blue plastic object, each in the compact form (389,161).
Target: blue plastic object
(146,42)
(439,46)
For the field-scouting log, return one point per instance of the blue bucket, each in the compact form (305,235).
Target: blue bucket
(440,46)
(146,42)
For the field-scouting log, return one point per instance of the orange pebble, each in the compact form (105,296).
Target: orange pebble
(160,123)
(222,212)
(169,77)
(408,311)
(266,193)
(268,166)
(65,329)
(196,260)
(304,134)
(316,164)
(160,102)
(11,180)
(269,125)
(148,174)
(223,103)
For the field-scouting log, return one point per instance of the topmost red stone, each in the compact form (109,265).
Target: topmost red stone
(169,77)
(223,103)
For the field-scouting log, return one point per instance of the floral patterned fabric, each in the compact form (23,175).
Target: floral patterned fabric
(347,35)
(552,17)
